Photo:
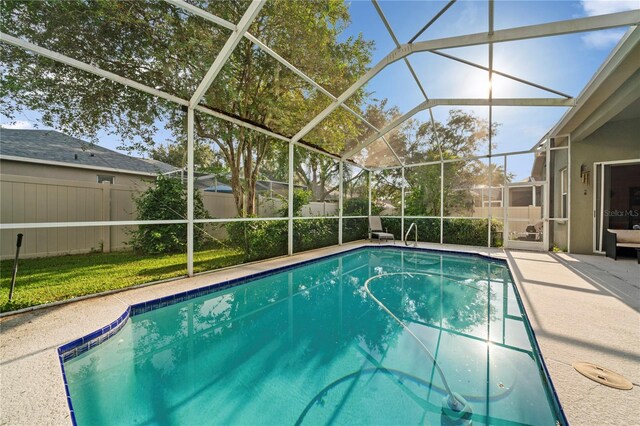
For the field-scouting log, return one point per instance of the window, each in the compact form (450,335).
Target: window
(564,183)
(106,178)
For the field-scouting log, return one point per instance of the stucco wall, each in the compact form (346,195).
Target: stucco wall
(616,140)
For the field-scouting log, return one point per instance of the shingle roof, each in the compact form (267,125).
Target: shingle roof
(51,145)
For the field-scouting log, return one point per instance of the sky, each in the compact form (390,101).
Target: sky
(564,63)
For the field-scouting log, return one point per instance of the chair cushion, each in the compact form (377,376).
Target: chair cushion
(384,235)
(626,235)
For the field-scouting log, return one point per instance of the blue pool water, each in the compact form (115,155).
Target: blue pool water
(310,346)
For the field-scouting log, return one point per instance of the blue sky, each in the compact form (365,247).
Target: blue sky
(564,63)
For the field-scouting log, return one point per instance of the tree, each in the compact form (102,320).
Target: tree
(166,200)
(461,136)
(176,155)
(159,45)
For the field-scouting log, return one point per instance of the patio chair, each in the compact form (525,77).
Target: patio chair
(375,230)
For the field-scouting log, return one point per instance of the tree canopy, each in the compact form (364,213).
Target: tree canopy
(159,45)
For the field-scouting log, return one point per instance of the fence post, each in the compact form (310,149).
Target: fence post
(106,216)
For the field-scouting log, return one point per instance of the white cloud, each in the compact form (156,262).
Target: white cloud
(602,39)
(19,124)
(602,7)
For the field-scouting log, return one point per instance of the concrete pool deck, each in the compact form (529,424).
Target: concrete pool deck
(582,308)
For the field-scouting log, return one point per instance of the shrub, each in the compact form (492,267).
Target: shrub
(309,234)
(259,239)
(354,229)
(300,198)
(471,232)
(356,207)
(166,200)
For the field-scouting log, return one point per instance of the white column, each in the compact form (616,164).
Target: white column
(290,228)
(441,201)
(402,207)
(369,185)
(489,217)
(545,199)
(190,120)
(340,201)
(569,193)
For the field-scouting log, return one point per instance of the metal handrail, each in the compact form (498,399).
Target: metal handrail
(413,225)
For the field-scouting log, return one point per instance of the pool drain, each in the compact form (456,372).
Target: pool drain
(602,375)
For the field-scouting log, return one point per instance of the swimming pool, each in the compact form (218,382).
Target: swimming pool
(310,345)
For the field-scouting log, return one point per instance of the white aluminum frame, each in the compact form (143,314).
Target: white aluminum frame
(240,30)
(578,25)
(528,245)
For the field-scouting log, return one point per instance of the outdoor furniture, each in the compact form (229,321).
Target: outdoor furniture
(531,233)
(615,239)
(375,230)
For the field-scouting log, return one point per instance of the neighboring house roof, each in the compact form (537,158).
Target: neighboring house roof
(50,146)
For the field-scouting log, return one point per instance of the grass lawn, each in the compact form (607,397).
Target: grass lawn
(50,279)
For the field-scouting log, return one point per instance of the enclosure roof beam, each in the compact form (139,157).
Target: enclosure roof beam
(14,41)
(453,160)
(409,66)
(92,69)
(397,43)
(386,142)
(215,19)
(226,51)
(591,23)
(434,19)
(194,10)
(557,102)
(502,74)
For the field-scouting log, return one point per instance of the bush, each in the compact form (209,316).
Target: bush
(300,198)
(356,207)
(472,232)
(354,229)
(166,200)
(428,229)
(309,234)
(259,239)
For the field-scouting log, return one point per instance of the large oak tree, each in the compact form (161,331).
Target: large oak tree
(161,46)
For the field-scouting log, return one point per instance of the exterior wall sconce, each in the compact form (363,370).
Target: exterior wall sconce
(585,175)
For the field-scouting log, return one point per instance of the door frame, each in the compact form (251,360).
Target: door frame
(542,245)
(598,211)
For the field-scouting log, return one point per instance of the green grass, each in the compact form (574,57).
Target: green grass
(49,279)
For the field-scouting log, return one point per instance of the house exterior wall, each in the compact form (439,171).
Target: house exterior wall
(616,140)
(20,168)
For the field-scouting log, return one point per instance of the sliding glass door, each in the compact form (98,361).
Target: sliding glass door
(616,202)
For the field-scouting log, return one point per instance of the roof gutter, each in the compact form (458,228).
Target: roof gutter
(76,166)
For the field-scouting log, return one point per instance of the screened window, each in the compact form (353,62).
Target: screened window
(564,183)
(106,178)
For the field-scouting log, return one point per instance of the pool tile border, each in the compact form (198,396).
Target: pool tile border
(83,344)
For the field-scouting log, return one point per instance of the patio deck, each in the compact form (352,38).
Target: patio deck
(582,308)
